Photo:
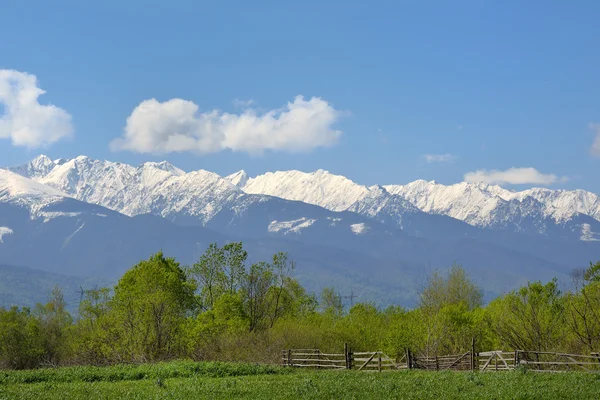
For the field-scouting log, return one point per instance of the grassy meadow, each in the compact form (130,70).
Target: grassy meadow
(210,380)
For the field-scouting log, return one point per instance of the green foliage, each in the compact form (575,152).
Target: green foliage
(456,288)
(582,310)
(224,309)
(149,307)
(529,318)
(21,341)
(592,274)
(220,270)
(449,312)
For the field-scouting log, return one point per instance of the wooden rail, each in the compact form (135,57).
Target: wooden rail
(363,361)
(544,361)
(486,361)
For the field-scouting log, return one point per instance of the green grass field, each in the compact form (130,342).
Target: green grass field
(188,380)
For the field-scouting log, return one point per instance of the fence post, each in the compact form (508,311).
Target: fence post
(350,357)
(289,357)
(379,361)
(473,353)
(408,363)
(437,364)
(346,355)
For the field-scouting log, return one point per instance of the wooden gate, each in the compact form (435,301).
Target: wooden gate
(497,360)
(457,362)
(313,358)
(376,361)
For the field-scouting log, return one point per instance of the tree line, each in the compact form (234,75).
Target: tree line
(222,308)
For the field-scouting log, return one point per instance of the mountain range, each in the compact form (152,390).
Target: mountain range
(92,218)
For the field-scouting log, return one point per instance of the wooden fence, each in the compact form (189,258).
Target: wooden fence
(557,362)
(362,361)
(496,360)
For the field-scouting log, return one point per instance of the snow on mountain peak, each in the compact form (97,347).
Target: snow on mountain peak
(238,179)
(35,168)
(153,187)
(163,189)
(165,166)
(14,185)
(334,192)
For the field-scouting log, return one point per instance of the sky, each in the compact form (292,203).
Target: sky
(385,92)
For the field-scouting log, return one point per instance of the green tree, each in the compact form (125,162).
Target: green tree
(209,272)
(456,288)
(96,331)
(150,304)
(582,309)
(258,283)
(529,318)
(21,339)
(234,267)
(447,305)
(55,322)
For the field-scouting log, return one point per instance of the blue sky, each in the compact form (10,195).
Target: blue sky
(476,85)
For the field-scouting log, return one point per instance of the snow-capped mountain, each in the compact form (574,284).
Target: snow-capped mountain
(91,214)
(44,228)
(557,214)
(152,188)
(198,197)
(333,192)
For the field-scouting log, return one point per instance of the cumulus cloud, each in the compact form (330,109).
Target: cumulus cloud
(438,158)
(513,176)
(25,121)
(178,126)
(595,149)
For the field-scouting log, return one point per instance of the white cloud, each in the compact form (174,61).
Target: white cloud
(439,158)
(513,176)
(177,126)
(595,149)
(25,121)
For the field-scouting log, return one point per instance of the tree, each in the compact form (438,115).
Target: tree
(256,290)
(220,270)
(209,272)
(455,289)
(96,331)
(150,303)
(529,318)
(21,339)
(282,292)
(54,321)
(582,308)
(447,305)
(234,267)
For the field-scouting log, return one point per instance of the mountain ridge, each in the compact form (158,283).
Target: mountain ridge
(352,231)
